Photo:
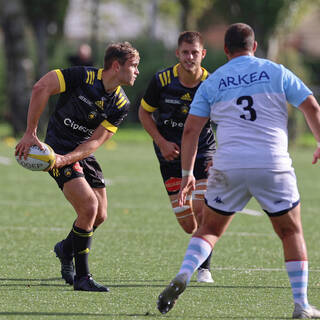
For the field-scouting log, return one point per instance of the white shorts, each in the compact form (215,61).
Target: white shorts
(230,190)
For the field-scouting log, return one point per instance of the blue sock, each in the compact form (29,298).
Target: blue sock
(197,252)
(298,276)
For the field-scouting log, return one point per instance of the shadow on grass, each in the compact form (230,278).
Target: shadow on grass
(122,315)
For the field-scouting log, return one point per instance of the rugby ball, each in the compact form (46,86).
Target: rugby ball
(38,160)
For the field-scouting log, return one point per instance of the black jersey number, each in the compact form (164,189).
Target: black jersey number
(249,103)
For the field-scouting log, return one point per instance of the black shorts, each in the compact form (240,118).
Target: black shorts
(171,173)
(88,168)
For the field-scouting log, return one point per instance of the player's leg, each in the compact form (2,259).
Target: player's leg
(226,193)
(289,229)
(171,175)
(83,199)
(184,214)
(280,200)
(200,246)
(204,274)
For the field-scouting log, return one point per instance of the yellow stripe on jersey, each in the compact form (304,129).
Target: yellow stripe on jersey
(119,101)
(122,104)
(118,90)
(204,74)
(109,126)
(90,77)
(161,80)
(61,80)
(147,107)
(175,70)
(99,76)
(168,76)
(165,78)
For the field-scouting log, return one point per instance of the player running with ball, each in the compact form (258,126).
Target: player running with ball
(90,108)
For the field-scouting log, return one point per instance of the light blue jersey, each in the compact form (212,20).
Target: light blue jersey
(247,99)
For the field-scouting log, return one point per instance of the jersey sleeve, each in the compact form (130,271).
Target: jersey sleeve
(70,78)
(296,91)
(200,105)
(149,102)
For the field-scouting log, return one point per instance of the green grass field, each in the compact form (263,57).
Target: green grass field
(140,247)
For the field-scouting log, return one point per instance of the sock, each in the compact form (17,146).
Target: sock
(206,264)
(197,252)
(298,276)
(68,244)
(81,244)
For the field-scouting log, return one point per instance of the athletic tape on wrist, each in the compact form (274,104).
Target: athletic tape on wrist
(185,173)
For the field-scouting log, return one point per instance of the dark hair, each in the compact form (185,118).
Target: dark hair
(120,51)
(239,37)
(190,37)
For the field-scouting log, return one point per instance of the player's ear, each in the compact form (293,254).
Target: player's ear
(115,65)
(177,53)
(204,52)
(255,46)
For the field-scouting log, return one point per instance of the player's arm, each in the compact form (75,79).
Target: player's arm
(311,111)
(192,129)
(83,150)
(169,150)
(48,85)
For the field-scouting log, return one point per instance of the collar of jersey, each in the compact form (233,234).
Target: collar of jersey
(204,74)
(241,58)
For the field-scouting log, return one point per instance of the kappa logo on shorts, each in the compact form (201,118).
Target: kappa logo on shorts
(173,184)
(77,167)
(67,172)
(218,200)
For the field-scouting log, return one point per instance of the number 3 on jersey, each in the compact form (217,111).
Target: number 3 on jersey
(247,102)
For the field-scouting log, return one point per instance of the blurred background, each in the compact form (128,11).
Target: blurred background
(39,35)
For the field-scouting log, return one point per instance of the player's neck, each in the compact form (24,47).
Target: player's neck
(110,82)
(189,79)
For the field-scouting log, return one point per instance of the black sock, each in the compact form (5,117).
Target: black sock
(68,244)
(81,244)
(206,263)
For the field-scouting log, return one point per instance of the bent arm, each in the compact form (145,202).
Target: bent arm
(42,90)
(311,112)
(169,150)
(84,149)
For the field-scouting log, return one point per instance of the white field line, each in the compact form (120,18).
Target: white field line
(255,269)
(5,160)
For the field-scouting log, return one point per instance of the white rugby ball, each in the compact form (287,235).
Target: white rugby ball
(38,160)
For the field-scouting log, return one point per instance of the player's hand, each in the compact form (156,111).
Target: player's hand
(169,150)
(316,156)
(187,186)
(28,140)
(61,161)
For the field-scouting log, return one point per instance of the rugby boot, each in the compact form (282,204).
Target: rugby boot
(305,313)
(67,266)
(170,294)
(87,283)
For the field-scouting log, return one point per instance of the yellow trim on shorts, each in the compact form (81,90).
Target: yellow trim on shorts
(109,126)
(61,80)
(147,107)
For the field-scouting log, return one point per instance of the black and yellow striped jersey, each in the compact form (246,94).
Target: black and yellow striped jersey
(82,106)
(169,101)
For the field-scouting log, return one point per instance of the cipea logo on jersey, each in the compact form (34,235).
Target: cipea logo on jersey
(173,124)
(75,126)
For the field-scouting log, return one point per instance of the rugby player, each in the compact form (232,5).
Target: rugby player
(247,98)
(90,108)
(163,111)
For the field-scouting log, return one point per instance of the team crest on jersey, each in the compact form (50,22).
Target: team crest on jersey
(92,115)
(67,172)
(99,104)
(184,109)
(186,97)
